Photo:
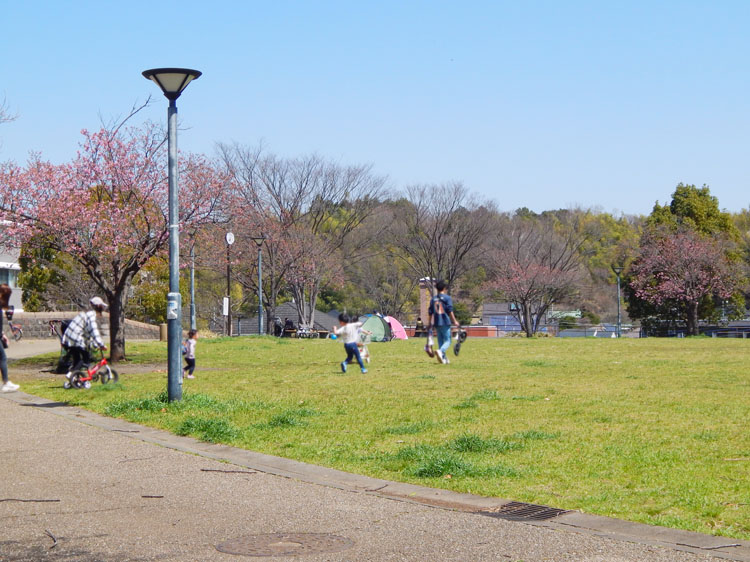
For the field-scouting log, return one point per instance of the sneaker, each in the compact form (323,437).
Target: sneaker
(343,366)
(439,355)
(10,387)
(191,376)
(428,350)
(364,371)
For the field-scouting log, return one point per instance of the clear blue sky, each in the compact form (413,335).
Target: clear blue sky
(542,104)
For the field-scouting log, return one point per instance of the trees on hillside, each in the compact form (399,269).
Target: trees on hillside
(107,209)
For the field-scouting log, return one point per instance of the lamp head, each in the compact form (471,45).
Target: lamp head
(172,81)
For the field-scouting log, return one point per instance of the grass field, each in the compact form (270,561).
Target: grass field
(651,430)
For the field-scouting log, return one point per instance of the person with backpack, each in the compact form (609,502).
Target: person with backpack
(441,318)
(82,332)
(188,350)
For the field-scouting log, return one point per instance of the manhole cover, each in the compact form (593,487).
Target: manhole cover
(285,544)
(517,511)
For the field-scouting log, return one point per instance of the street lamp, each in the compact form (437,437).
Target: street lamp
(193,322)
(618,270)
(230,240)
(172,82)
(259,242)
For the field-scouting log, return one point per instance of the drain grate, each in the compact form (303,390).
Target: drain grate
(517,511)
(285,544)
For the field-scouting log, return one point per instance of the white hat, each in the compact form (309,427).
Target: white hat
(96,301)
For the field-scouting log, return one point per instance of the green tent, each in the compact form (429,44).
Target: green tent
(377,326)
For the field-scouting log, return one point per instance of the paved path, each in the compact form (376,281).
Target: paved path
(78,486)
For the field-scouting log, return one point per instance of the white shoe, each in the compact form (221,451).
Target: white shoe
(10,387)
(439,355)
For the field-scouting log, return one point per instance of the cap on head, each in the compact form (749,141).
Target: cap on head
(97,302)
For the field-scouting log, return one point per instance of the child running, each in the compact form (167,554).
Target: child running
(190,342)
(349,332)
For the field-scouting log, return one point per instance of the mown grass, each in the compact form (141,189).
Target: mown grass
(652,430)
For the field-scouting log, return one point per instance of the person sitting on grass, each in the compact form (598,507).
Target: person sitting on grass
(349,332)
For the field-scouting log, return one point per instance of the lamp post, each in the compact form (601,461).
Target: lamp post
(259,242)
(618,270)
(193,322)
(172,82)
(230,240)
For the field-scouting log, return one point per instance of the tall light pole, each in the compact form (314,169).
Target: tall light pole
(259,242)
(618,270)
(172,82)
(193,322)
(230,240)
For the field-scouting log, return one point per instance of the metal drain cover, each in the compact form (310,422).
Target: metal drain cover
(517,511)
(285,544)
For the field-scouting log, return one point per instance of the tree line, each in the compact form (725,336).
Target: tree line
(337,237)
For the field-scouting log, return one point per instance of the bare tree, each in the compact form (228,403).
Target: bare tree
(5,115)
(308,207)
(439,230)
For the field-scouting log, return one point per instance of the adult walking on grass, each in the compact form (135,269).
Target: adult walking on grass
(8,386)
(441,319)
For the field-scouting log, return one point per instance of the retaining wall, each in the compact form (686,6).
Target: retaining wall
(35,325)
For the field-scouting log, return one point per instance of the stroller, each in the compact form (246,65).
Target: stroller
(65,361)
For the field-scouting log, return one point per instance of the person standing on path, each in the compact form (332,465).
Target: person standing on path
(190,342)
(441,318)
(8,386)
(83,331)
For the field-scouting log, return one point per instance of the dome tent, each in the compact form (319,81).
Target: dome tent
(377,326)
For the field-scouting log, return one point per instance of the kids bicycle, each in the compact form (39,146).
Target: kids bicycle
(99,371)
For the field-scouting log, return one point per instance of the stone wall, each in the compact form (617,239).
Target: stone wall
(35,325)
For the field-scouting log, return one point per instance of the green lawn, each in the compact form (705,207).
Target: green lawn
(652,430)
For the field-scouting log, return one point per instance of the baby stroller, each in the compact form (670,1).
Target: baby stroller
(65,361)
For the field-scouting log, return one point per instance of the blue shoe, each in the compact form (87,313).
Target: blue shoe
(343,366)
(364,371)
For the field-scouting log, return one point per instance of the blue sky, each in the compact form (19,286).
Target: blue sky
(536,104)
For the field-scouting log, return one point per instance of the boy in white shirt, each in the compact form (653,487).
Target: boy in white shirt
(349,332)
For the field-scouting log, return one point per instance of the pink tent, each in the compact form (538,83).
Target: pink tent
(396,328)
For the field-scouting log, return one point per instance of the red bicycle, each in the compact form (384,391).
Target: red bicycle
(99,371)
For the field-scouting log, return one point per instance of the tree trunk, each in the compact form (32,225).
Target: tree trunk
(116,328)
(527,323)
(692,318)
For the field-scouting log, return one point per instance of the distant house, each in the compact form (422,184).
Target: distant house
(502,315)
(9,269)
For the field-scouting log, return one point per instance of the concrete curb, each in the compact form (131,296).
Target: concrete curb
(697,543)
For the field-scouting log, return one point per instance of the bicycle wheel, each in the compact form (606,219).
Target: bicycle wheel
(108,374)
(76,382)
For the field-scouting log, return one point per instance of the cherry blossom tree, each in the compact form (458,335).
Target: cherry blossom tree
(534,263)
(108,208)
(684,267)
